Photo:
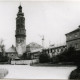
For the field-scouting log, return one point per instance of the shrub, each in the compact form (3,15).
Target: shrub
(68,55)
(3,73)
(3,58)
(44,58)
(25,56)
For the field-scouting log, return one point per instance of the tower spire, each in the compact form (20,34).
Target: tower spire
(20,13)
(20,2)
(20,8)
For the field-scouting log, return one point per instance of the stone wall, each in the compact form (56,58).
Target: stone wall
(26,62)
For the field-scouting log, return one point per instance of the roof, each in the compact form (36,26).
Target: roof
(62,46)
(36,50)
(32,47)
(11,49)
(76,30)
(33,44)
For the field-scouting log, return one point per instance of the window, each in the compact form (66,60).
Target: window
(76,45)
(49,50)
(75,35)
(46,51)
(57,50)
(70,45)
(61,49)
(52,50)
(70,37)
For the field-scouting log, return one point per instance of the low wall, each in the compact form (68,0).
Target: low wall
(24,61)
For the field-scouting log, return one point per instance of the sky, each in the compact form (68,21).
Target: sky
(53,19)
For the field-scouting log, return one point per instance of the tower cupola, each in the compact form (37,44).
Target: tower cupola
(20,13)
(20,8)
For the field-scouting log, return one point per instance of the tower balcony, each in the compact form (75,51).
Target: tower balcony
(21,32)
(20,35)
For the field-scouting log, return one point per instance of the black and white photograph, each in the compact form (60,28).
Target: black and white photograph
(40,39)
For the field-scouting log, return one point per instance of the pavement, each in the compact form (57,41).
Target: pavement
(30,72)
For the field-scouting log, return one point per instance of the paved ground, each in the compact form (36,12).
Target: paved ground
(30,72)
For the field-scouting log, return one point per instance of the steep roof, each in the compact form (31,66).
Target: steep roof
(33,44)
(73,31)
(11,49)
(76,30)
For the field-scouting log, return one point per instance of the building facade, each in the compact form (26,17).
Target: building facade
(53,51)
(20,33)
(73,39)
(11,53)
(33,50)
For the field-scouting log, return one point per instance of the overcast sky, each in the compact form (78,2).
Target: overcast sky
(53,19)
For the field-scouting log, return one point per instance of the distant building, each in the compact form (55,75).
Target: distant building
(53,51)
(11,53)
(33,49)
(33,46)
(73,39)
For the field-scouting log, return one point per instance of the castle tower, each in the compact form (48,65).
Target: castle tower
(20,33)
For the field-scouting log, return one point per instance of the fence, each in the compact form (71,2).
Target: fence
(25,62)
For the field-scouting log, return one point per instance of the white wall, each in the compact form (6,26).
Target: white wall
(24,61)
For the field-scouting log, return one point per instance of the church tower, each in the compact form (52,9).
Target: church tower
(20,33)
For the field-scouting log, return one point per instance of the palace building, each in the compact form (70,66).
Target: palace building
(11,53)
(73,39)
(53,51)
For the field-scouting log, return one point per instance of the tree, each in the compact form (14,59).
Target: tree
(44,57)
(2,46)
(67,56)
(3,57)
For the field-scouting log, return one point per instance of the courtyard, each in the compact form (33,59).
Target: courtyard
(31,72)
